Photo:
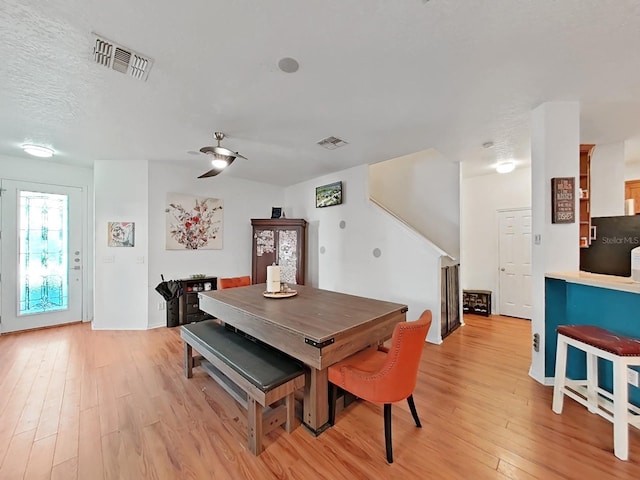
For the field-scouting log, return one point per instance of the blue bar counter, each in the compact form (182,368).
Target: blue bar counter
(580,298)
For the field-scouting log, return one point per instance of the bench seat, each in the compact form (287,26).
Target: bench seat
(256,375)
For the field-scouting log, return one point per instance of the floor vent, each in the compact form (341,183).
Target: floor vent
(331,143)
(121,59)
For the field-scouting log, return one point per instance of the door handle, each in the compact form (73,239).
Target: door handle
(77,267)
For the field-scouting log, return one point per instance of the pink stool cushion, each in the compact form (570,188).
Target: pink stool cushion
(602,339)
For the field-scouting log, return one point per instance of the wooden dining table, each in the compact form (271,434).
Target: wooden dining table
(317,327)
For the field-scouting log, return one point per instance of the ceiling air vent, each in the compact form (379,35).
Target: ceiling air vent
(331,143)
(121,59)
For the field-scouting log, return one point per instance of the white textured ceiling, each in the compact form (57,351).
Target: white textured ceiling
(389,77)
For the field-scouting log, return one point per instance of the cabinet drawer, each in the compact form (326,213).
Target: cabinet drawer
(193,306)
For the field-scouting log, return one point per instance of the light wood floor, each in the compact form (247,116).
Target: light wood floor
(77,403)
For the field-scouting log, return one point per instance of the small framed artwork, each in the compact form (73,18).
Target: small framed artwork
(121,234)
(329,195)
(563,207)
(276,212)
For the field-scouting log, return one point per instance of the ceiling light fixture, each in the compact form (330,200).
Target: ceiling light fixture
(38,151)
(505,167)
(219,162)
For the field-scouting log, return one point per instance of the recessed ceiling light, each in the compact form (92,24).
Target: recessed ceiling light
(38,151)
(505,167)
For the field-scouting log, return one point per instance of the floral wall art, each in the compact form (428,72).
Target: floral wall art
(193,223)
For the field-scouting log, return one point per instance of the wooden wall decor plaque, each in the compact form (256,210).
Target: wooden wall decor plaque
(563,200)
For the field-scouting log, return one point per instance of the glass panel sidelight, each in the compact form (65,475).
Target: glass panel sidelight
(43,246)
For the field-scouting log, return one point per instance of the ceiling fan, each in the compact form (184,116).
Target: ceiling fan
(221,157)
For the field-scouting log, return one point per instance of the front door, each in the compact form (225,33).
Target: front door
(41,256)
(515,263)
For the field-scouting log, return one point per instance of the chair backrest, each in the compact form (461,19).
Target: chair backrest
(232,282)
(399,373)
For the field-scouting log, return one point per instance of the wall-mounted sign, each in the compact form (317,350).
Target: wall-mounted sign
(563,200)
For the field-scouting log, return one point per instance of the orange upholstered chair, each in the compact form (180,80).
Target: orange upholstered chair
(232,282)
(383,375)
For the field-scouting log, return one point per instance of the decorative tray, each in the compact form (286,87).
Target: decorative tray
(287,294)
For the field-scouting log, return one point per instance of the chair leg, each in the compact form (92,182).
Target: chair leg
(333,397)
(560,375)
(414,412)
(620,410)
(387,431)
(592,382)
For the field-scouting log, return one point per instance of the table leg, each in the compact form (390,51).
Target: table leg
(188,360)
(316,401)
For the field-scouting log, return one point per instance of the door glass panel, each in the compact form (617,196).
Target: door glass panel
(43,246)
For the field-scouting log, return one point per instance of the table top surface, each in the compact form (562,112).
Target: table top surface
(314,313)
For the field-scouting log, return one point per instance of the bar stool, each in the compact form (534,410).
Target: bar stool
(623,352)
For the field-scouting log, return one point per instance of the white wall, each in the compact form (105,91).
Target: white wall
(341,259)
(481,198)
(607,180)
(555,150)
(632,171)
(423,190)
(53,173)
(121,195)
(242,201)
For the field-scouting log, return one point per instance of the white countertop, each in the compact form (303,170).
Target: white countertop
(624,284)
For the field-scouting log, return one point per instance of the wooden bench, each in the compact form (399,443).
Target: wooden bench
(256,375)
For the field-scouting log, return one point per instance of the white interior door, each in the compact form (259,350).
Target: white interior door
(515,263)
(41,255)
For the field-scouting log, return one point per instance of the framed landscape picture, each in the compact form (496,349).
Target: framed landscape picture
(328,195)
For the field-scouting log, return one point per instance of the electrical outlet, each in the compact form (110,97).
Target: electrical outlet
(160,305)
(632,377)
(536,342)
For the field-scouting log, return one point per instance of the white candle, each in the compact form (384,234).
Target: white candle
(273,278)
(629,207)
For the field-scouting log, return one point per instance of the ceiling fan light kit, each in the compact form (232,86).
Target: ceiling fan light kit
(221,157)
(220,162)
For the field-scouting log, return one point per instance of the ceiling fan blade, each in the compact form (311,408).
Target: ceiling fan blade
(215,171)
(226,152)
(211,173)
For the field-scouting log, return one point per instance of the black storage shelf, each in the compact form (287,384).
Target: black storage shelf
(186,308)
(476,301)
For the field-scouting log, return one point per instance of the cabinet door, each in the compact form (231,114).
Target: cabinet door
(289,255)
(264,253)
(632,190)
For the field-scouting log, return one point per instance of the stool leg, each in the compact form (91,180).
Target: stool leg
(592,382)
(620,410)
(560,375)
(188,360)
